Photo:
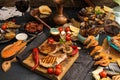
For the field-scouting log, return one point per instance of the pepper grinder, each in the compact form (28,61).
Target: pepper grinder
(59,18)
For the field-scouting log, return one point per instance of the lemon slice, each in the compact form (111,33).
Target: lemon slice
(108,9)
(74,29)
(74,34)
(44,9)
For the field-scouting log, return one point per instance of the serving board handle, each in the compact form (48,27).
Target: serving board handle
(6,65)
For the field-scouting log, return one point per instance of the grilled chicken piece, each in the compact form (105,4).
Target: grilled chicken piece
(48,61)
(52,60)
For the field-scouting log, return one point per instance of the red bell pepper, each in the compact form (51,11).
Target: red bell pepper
(75,50)
(74,46)
(35,54)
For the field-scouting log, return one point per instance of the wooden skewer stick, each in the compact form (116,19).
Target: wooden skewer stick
(42,22)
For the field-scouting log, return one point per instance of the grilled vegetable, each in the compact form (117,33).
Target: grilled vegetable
(13,49)
(9,35)
(51,40)
(35,57)
(92,20)
(74,52)
(67,49)
(103,74)
(50,70)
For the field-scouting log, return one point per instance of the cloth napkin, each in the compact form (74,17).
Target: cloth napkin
(80,70)
(8,12)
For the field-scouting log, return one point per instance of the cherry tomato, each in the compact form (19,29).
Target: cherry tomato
(51,40)
(67,29)
(58,66)
(103,74)
(4,27)
(68,38)
(68,34)
(74,46)
(60,29)
(50,70)
(57,71)
(13,20)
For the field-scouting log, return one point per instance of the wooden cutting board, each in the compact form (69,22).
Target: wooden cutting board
(66,64)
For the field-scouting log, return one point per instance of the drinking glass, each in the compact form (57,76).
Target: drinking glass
(22,5)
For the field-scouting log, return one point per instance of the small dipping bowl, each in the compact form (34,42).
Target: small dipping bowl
(21,36)
(55,33)
(82,38)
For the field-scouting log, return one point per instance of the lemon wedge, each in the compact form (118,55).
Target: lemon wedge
(74,29)
(108,9)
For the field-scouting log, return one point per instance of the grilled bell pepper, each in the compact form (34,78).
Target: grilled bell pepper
(75,50)
(35,54)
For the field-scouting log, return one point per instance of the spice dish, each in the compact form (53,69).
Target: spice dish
(21,36)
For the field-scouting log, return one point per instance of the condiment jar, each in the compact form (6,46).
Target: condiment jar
(55,34)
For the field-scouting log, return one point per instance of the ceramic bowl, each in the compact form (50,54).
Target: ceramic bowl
(82,38)
(22,36)
(111,44)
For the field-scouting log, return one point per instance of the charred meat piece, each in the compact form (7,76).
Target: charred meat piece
(33,27)
(112,29)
